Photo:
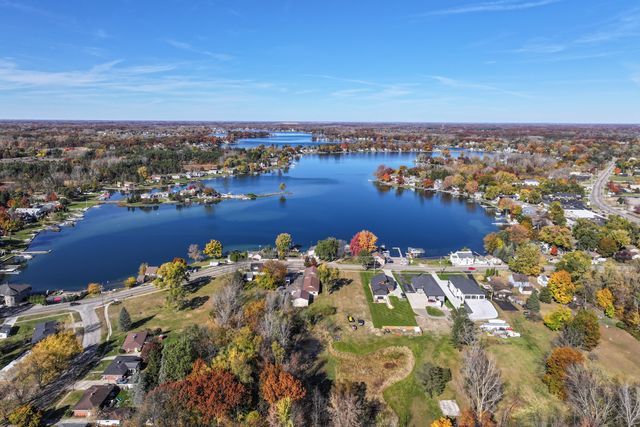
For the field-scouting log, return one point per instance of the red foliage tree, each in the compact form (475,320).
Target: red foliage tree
(212,393)
(363,241)
(276,384)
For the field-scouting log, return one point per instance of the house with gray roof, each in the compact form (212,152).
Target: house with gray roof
(425,284)
(121,368)
(381,286)
(43,330)
(14,294)
(94,399)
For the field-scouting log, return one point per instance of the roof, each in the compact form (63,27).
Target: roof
(520,277)
(311,283)
(467,285)
(11,290)
(135,340)
(43,330)
(5,329)
(428,284)
(121,365)
(151,271)
(94,397)
(300,293)
(463,254)
(381,284)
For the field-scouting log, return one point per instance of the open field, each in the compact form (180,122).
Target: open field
(400,315)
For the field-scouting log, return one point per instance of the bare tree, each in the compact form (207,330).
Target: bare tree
(589,395)
(482,380)
(628,404)
(348,405)
(227,304)
(317,409)
(194,252)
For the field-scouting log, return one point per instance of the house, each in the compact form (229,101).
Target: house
(310,281)
(465,287)
(381,286)
(379,260)
(121,368)
(14,294)
(5,331)
(300,298)
(43,330)
(543,280)
(464,291)
(94,399)
(134,341)
(531,182)
(462,258)
(519,280)
(427,285)
(527,290)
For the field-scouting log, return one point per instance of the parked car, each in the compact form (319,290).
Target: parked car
(360,322)
(74,303)
(354,327)
(351,319)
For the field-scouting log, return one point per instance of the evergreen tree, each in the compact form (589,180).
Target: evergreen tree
(124,320)
(545,295)
(533,302)
(434,378)
(463,331)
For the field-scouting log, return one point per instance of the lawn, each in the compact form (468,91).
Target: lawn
(381,315)
(406,396)
(149,312)
(435,312)
(12,347)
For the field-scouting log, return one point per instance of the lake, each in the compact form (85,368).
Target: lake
(279,139)
(331,195)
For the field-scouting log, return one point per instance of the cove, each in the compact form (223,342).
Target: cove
(331,195)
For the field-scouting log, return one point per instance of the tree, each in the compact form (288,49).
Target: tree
(327,249)
(607,246)
(589,396)
(283,244)
(527,260)
(586,323)
(578,263)
(463,331)
(482,380)
(328,275)
(195,254)
(604,297)
(212,393)
(556,213)
(273,275)
(124,320)
(561,287)
(433,378)
(143,172)
(587,234)
(50,357)
(26,416)
(492,243)
(558,362)
(282,186)
(94,288)
(179,355)
(171,276)
(533,302)
(557,319)
(545,295)
(213,249)
(130,282)
(363,241)
(556,235)
(227,304)
(518,234)
(628,404)
(277,384)
(348,405)
(365,259)
(442,422)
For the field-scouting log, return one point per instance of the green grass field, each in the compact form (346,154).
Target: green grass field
(400,315)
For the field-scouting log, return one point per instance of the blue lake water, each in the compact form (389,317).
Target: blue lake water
(330,196)
(293,139)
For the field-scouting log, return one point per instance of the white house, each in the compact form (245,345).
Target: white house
(462,258)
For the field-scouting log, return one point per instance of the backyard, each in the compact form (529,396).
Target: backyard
(381,315)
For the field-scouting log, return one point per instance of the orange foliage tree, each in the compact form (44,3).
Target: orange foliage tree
(557,364)
(211,393)
(276,384)
(363,241)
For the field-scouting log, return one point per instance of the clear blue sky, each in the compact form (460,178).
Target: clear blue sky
(403,60)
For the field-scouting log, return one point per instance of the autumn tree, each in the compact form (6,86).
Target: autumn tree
(492,243)
(585,323)
(94,288)
(213,249)
(442,422)
(561,287)
(557,319)
(518,234)
(130,282)
(143,172)
(171,276)
(558,362)
(556,213)
(49,357)
(527,260)
(212,393)
(577,263)
(26,416)
(328,275)
(556,235)
(273,275)
(604,297)
(283,244)
(277,384)
(363,241)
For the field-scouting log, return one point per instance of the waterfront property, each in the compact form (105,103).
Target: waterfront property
(14,294)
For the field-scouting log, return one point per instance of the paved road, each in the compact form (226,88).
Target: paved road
(597,197)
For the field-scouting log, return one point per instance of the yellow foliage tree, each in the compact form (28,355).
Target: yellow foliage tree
(51,356)
(94,288)
(605,301)
(562,287)
(442,422)
(213,249)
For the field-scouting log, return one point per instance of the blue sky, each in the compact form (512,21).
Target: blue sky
(433,60)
